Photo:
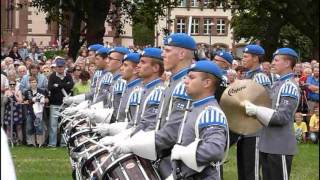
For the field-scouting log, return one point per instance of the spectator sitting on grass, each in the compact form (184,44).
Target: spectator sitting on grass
(300,128)
(314,126)
(83,86)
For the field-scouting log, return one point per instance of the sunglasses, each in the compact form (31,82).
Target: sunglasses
(78,69)
(12,84)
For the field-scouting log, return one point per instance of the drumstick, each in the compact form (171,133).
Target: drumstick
(99,144)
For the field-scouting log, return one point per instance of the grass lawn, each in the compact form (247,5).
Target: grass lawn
(53,164)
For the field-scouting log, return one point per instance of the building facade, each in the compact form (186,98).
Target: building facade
(20,22)
(210,27)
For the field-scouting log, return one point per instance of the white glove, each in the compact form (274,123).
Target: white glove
(111,140)
(251,109)
(123,147)
(102,129)
(263,114)
(177,151)
(67,100)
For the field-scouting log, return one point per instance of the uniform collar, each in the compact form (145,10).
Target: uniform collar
(287,76)
(116,76)
(133,83)
(180,74)
(251,72)
(152,83)
(203,101)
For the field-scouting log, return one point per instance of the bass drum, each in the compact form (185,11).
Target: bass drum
(131,167)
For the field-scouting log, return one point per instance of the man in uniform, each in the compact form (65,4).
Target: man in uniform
(247,152)
(92,53)
(203,133)
(143,100)
(102,88)
(277,140)
(177,57)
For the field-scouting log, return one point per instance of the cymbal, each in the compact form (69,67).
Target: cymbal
(231,103)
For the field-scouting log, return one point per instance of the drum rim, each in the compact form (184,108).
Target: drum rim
(90,159)
(83,143)
(118,160)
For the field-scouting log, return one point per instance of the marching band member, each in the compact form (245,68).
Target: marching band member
(92,53)
(100,92)
(114,91)
(177,57)
(203,135)
(247,152)
(129,73)
(278,121)
(150,69)
(224,60)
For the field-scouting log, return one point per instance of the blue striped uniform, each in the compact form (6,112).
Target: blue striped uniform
(95,78)
(290,90)
(135,98)
(107,79)
(120,86)
(212,117)
(180,91)
(262,79)
(155,96)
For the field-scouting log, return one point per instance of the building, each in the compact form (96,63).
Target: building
(20,22)
(210,27)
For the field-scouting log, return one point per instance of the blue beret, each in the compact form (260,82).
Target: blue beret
(133,57)
(121,50)
(254,49)
(60,62)
(103,50)
(180,40)
(207,66)
(225,55)
(286,51)
(95,47)
(152,53)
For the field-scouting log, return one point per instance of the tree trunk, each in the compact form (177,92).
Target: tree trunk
(74,44)
(97,11)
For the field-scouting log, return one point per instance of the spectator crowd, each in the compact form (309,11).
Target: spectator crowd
(33,87)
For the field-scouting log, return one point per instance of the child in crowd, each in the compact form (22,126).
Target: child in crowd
(35,98)
(300,128)
(83,86)
(314,125)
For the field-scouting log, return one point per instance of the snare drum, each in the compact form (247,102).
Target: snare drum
(130,167)
(95,164)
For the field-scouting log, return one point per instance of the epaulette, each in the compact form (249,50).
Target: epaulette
(290,90)
(262,79)
(180,91)
(135,97)
(212,117)
(107,79)
(120,86)
(155,96)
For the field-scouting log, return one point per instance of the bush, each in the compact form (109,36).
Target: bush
(51,54)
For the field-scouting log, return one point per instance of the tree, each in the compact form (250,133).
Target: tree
(265,20)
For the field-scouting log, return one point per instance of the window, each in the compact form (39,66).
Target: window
(195,26)
(207,26)
(194,3)
(206,3)
(181,25)
(183,3)
(221,26)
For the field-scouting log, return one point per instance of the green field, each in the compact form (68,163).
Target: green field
(53,163)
